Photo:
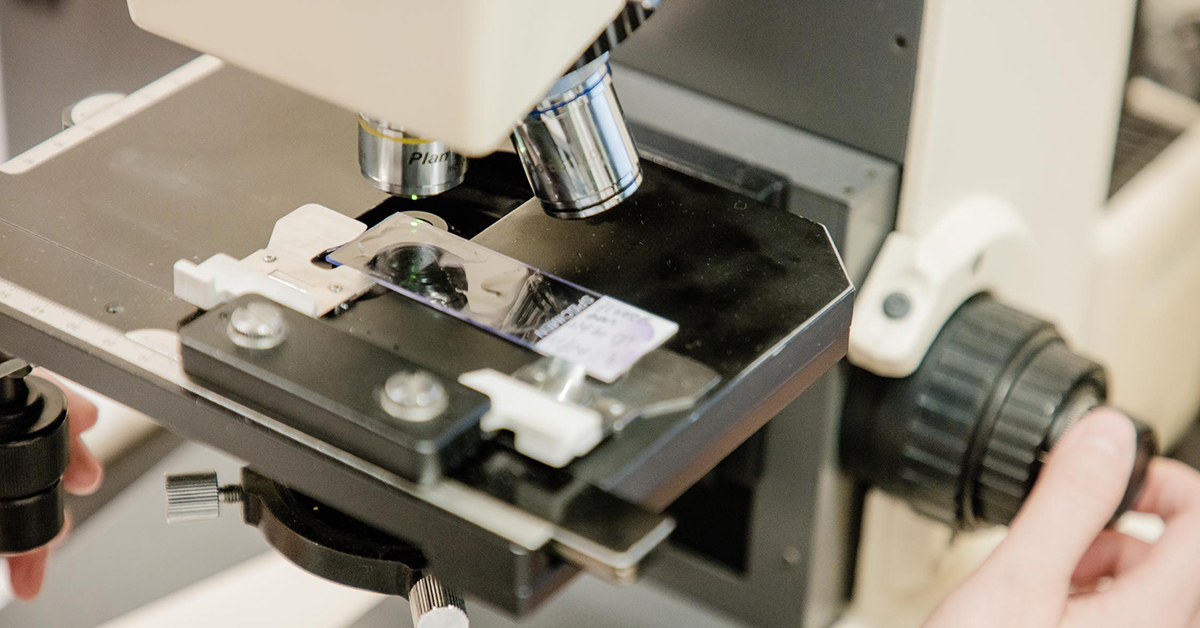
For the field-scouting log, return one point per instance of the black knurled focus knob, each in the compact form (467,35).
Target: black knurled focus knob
(1054,381)
(34,453)
(963,438)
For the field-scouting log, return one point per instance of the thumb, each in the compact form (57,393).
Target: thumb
(1076,495)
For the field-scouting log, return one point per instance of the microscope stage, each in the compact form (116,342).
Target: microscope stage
(89,237)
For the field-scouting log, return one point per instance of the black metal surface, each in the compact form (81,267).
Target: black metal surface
(738,277)
(326,542)
(793,569)
(739,177)
(328,383)
(844,70)
(759,294)
(558,497)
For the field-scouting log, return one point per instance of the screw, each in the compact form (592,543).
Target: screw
(198,497)
(792,556)
(565,381)
(114,308)
(414,396)
(257,325)
(270,259)
(896,306)
(335,287)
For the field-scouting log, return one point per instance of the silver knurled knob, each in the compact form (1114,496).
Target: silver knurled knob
(198,496)
(434,605)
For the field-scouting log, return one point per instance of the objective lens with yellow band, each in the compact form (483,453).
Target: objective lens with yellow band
(402,164)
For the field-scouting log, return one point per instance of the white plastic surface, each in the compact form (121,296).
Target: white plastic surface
(1146,292)
(1019,101)
(283,270)
(544,428)
(907,564)
(3,158)
(460,71)
(935,272)
(93,105)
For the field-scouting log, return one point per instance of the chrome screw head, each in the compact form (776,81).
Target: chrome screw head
(257,325)
(414,396)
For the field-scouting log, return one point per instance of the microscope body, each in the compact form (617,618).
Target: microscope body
(462,72)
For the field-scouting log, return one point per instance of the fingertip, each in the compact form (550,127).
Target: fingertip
(1172,489)
(85,473)
(84,476)
(82,413)
(27,573)
(1103,432)
(1075,496)
(1088,468)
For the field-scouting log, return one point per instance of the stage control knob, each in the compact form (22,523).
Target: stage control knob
(34,453)
(435,605)
(198,496)
(962,439)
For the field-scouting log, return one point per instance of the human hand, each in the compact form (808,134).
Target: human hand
(82,477)
(1060,567)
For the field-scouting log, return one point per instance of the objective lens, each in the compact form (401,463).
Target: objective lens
(576,147)
(404,165)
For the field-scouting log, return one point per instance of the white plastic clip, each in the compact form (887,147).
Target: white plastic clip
(544,428)
(282,272)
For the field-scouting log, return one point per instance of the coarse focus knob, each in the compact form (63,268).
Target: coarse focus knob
(435,605)
(198,496)
(34,454)
(963,438)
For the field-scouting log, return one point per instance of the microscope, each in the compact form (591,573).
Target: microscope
(475,330)
(451,373)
